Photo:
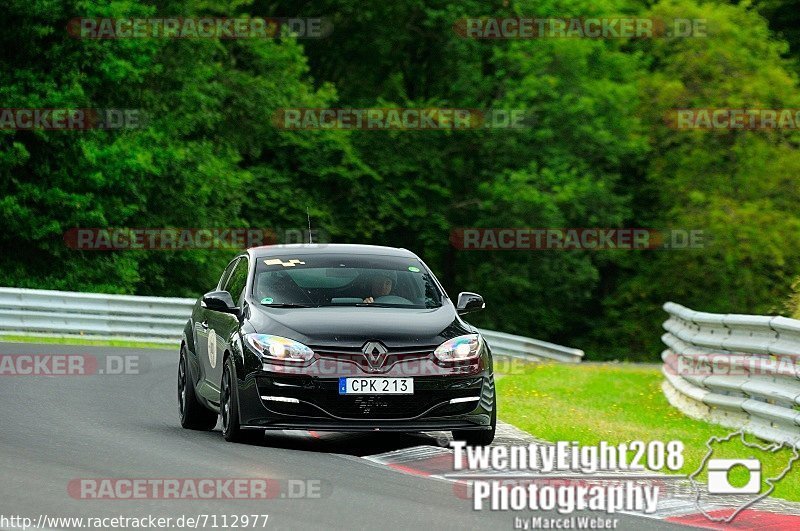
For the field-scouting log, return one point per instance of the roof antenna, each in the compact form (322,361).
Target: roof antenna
(309,226)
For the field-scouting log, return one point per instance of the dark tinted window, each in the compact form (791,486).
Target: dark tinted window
(238,279)
(225,274)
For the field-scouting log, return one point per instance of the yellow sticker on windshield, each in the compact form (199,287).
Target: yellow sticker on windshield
(277,261)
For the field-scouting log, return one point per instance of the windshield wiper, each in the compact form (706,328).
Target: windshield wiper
(287,305)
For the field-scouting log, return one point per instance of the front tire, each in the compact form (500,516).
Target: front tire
(194,416)
(229,408)
(478,437)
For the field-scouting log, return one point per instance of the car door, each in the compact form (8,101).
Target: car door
(222,326)
(208,386)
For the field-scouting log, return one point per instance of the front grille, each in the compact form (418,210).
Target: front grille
(354,355)
(405,349)
(325,395)
(383,406)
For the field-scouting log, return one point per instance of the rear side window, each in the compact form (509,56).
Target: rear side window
(236,282)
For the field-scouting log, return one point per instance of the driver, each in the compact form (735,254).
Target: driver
(381,284)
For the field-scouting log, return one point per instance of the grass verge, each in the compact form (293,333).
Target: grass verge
(85,342)
(619,403)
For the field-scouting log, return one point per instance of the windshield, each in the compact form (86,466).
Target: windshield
(344,280)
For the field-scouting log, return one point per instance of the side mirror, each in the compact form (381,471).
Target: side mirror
(219,301)
(469,302)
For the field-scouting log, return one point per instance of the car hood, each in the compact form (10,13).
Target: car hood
(353,326)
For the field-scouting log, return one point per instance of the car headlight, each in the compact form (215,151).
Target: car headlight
(279,348)
(459,348)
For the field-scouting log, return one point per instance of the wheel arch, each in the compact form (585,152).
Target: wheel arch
(188,336)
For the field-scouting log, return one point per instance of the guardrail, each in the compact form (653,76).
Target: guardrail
(527,348)
(92,315)
(47,313)
(741,371)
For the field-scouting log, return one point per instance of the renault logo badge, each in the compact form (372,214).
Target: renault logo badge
(375,353)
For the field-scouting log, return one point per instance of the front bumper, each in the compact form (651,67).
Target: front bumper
(315,403)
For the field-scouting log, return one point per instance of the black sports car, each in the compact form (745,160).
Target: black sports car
(338,338)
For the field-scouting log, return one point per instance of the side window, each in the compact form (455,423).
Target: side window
(237,280)
(225,274)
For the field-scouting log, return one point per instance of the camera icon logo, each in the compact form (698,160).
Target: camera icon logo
(719,476)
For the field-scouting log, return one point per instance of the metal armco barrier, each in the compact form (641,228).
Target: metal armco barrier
(526,348)
(740,371)
(92,315)
(48,313)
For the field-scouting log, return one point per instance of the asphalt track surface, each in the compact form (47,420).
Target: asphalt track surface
(55,429)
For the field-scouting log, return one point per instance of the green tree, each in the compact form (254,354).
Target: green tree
(740,187)
(208,156)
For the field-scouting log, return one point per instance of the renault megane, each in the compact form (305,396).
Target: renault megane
(335,337)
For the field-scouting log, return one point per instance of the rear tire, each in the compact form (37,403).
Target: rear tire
(194,415)
(229,408)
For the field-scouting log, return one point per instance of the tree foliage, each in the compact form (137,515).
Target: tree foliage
(597,154)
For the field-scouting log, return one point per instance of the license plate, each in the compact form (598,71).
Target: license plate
(376,386)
